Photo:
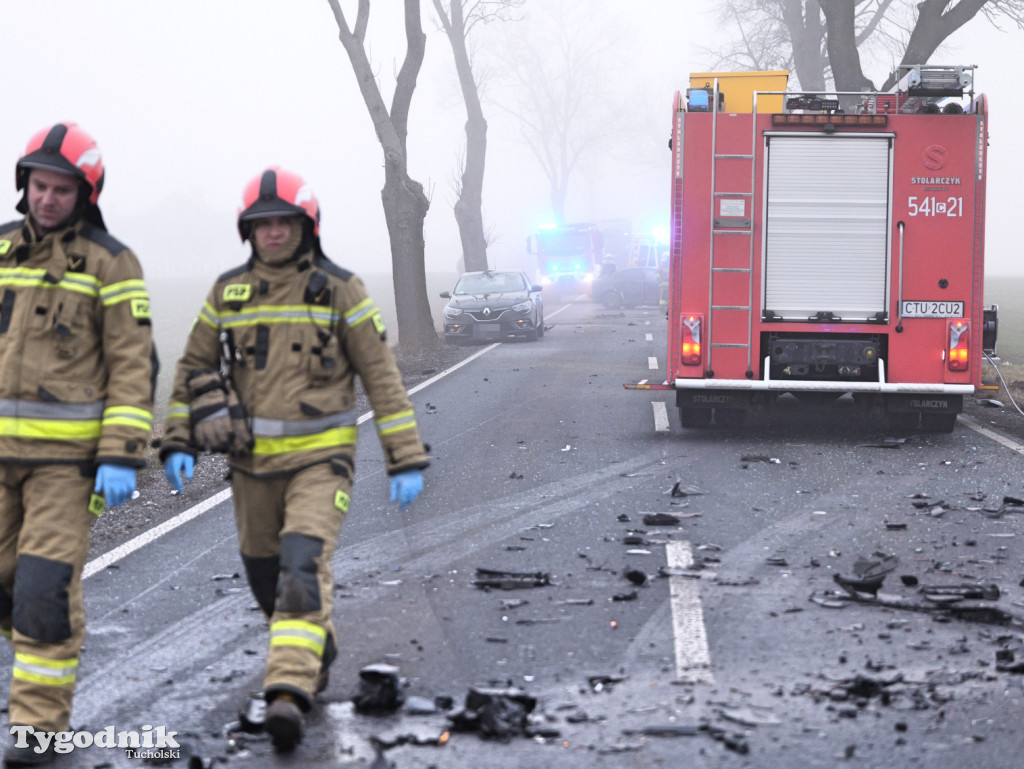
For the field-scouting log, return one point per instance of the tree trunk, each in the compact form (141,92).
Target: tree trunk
(405,204)
(405,208)
(559,188)
(807,32)
(842,46)
(469,206)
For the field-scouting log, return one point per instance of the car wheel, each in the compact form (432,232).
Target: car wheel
(540,327)
(611,300)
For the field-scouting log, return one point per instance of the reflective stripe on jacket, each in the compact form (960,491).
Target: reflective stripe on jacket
(77,362)
(295,354)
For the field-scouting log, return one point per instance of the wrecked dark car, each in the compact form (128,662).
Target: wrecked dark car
(493,306)
(629,288)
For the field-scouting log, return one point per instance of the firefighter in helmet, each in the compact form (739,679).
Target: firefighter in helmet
(77,373)
(267,376)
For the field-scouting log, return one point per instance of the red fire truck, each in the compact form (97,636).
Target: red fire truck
(826,245)
(567,255)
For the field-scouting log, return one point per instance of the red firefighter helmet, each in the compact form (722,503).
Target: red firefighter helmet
(277,192)
(66,148)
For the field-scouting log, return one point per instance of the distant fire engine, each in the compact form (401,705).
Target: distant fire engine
(824,246)
(567,254)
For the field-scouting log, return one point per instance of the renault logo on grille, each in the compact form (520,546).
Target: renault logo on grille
(487,311)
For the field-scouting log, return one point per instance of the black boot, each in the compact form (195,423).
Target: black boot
(27,756)
(283,722)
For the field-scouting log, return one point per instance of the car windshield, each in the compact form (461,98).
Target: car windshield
(490,283)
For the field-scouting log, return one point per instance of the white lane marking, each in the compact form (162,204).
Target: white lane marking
(443,374)
(990,434)
(649,337)
(660,416)
(693,660)
(112,556)
(652,362)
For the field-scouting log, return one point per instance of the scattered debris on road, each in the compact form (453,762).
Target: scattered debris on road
(379,689)
(680,490)
(886,443)
(495,713)
(969,603)
(760,458)
(663,519)
(510,580)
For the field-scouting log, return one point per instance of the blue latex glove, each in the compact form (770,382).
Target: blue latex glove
(115,482)
(405,487)
(178,462)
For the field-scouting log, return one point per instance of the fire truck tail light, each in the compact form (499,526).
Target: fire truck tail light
(690,340)
(959,345)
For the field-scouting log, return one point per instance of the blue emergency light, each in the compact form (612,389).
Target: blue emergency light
(699,99)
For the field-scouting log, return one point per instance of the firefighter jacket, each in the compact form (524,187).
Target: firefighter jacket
(295,336)
(77,361)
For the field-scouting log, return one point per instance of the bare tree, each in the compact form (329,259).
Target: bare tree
(824,41)
(790,34)
(807,28)
(457,19)
(560,64)
(936,21)
(405,203)
(842,45)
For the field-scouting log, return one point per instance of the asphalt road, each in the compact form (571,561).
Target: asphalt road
(728,647)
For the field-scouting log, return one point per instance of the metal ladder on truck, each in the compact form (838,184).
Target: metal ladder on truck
(732,227)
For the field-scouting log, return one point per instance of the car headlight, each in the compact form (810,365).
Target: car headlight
(522,306)
(452,312)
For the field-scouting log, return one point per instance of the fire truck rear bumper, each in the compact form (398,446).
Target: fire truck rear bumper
(810,385)
(804,385)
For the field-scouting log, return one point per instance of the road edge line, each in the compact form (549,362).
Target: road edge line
(997,437)
(112,556)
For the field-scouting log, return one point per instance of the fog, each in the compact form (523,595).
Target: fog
(189,100)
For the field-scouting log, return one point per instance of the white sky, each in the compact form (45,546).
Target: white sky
(190,99)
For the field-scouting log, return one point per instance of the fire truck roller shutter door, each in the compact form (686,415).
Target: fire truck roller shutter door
(827,243)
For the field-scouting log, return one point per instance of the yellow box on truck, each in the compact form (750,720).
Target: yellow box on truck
(738,88)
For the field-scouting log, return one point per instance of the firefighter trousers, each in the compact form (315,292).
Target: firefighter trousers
(287,532)
(44,540)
